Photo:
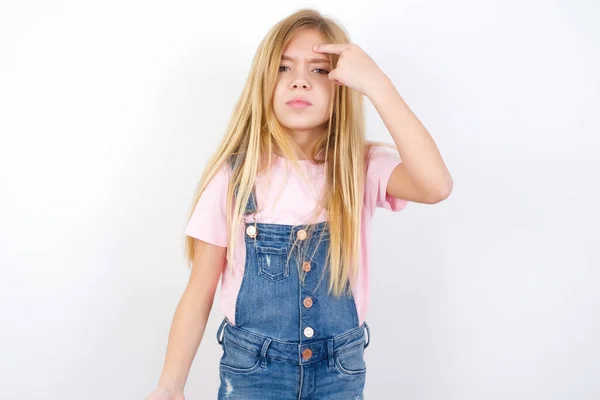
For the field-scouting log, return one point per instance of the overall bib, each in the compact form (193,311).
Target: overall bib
(291,339)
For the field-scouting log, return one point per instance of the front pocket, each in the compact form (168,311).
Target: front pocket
(238,360)
(352,361)
(272,262)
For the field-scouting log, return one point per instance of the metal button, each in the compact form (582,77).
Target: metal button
(301,234)
(308,302)
(306,266)
(251,231)
(308,331)
(306,354)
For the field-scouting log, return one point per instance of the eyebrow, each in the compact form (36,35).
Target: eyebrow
(310,60)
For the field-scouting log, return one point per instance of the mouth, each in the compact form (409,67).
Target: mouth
(298,104)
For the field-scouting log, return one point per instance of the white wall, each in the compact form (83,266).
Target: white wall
(110,109)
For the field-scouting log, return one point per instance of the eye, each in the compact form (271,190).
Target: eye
(322,71)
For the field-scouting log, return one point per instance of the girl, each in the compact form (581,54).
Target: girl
(282,216)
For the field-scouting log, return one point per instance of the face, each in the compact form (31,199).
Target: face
(303,75)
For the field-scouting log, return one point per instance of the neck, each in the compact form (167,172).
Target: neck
(304,140)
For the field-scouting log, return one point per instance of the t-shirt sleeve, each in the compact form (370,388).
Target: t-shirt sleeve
(380,165)
(209,219)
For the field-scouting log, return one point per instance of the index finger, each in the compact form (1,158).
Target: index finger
(335,48)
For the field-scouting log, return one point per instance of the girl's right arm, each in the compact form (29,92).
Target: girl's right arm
(189,321)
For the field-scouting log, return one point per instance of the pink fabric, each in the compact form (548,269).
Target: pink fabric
(291,204)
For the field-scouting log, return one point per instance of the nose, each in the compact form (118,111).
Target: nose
(304,85)
(300,80)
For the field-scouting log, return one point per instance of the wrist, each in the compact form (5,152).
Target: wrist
(170,388)
(381,86)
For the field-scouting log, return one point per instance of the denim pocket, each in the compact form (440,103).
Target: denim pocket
(238,360)
(351,361)
(272,262)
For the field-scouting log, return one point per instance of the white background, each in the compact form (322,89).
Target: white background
(110,109)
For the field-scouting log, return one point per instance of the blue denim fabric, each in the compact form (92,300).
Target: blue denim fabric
(265,353)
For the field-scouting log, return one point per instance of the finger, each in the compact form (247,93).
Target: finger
(333,75)
(335,48)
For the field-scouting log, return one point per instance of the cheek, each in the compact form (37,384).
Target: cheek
(280,91)
(326,93)
(326,86)
(277,96)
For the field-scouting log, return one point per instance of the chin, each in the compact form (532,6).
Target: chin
(301,122)
(300,126)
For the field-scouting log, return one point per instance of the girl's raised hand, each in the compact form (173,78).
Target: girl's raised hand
(355,68)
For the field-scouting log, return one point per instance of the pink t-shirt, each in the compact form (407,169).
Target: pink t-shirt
(291,203)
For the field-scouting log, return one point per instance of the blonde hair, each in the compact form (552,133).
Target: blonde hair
(253,130)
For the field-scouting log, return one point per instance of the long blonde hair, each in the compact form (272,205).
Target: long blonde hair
(253,130)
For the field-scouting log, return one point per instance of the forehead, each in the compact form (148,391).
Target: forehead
(301,44)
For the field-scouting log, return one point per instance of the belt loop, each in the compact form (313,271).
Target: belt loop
(368,335)
(330,353)
(263,353)
(219,338)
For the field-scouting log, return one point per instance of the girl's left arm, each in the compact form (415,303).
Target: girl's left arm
(422,175)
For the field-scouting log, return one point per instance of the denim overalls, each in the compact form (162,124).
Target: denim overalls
(291,339)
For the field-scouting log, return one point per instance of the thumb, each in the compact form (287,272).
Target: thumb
(333,76)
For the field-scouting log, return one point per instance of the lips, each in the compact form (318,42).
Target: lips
(299,101)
